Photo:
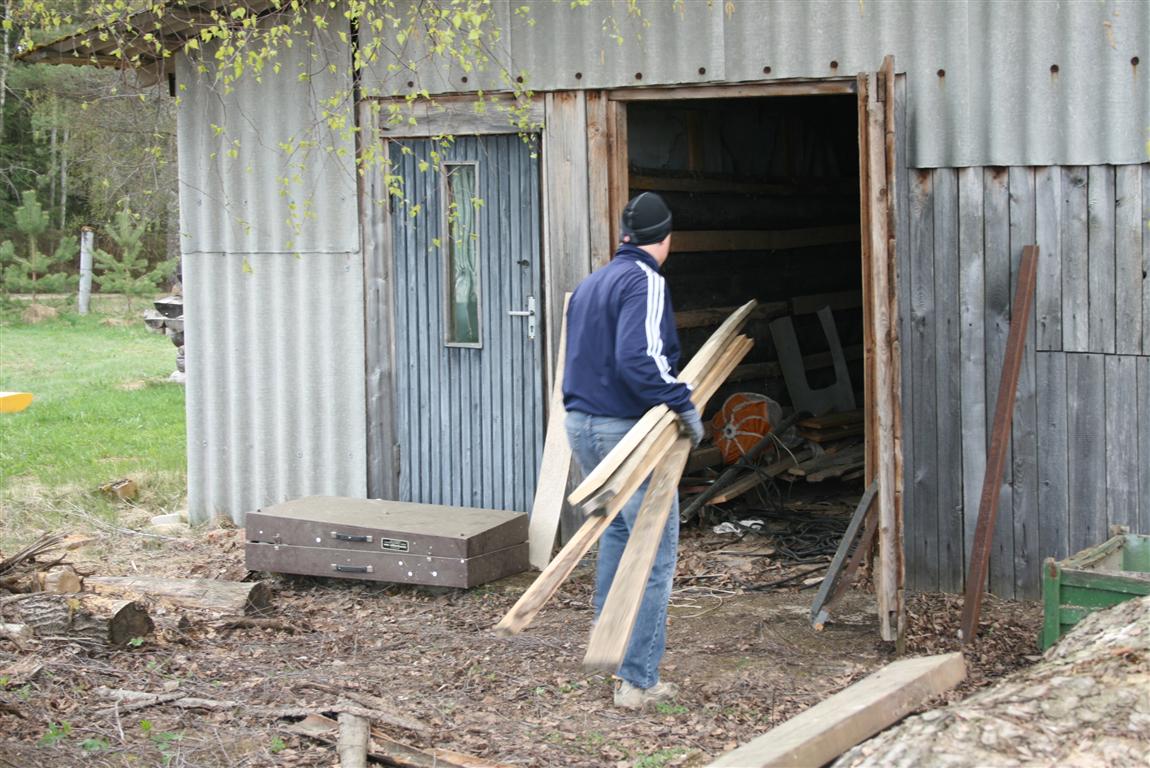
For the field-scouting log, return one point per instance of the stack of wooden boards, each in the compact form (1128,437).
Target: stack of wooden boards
(653,445)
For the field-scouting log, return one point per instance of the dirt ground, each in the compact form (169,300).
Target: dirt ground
(745,661)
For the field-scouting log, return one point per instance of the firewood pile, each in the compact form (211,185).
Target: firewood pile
(1084,703)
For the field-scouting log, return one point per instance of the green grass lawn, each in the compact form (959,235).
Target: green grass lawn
(103,410)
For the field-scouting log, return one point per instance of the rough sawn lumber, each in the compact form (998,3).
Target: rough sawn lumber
(612,631)
(647,448)
(692,372)
(834,725)
(556,467)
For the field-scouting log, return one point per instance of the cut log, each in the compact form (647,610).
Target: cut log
(834,725)
(354,732)
(227,597)
(19,634)
(96,618)
(61,580)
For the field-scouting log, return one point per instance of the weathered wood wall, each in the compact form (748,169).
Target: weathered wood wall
(1080,450)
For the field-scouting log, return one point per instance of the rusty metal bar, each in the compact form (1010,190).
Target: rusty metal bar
(999,442)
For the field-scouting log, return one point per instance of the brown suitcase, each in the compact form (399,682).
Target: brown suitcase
(387,541)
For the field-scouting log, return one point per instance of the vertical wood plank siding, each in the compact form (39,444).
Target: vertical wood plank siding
(1080,448)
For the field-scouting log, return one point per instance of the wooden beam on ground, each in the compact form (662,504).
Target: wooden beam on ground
(543,524)
(705,241)
(701,457)
(612,631)
(999,442)
(834,725)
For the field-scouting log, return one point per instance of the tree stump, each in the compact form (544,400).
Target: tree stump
(225,597)
(89,617)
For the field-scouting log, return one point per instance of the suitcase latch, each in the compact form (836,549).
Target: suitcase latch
(356,537)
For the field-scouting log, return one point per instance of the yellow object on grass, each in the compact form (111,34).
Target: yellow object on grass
(14,402)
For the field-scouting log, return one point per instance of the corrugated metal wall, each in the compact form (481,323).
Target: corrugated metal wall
(990,82)
(273,284)
(1080,448)
(470,420)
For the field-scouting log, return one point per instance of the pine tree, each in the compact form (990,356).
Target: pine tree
(36,272)
(129,273)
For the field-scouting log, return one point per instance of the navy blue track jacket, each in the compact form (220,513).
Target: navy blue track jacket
(622,347)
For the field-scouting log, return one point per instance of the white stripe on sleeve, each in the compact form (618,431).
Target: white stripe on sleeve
(656,302)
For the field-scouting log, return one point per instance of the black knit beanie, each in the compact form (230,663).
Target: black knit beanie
(646,220)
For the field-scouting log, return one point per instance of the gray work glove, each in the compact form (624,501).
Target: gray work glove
(691,425)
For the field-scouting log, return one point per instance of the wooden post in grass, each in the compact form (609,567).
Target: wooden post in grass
(87,240)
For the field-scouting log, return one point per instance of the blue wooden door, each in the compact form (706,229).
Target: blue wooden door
(468,357)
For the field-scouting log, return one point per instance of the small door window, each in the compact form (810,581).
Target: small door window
(461,247)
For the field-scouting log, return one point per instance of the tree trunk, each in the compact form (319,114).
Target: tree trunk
(92,617)
(228,597)
(64,179)
(5,63)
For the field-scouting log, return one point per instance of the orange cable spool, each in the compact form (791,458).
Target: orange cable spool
(742,422)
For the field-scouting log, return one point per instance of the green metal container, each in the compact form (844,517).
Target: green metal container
(1091,580)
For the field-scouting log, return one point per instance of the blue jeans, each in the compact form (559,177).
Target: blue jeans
(592,438)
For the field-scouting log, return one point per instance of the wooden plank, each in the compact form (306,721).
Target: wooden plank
(948,390)
(893,140)
(1129,230)
(1024,432)
(565,176)
(921,445)
(853,715)
(1122,461)
(1023,306)
(705,241)
(848,418)
(612,631)
(818,612)
(1053,500)
(704,456)
(996,241)
(704,318)
(1075,261)
(1143,367)
(972,341)
(662,181)
(870,404)
(754,479)
(379,320)
(599,212)
(459,116)
(618,167)
(1048,238)
(888,568)
(1086,435)
(749,90)
(1100,193)
(556,467)
(772,370)
(838,301)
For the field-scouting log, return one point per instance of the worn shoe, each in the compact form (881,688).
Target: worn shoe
(630,696)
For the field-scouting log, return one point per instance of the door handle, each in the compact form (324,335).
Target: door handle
(529,313)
